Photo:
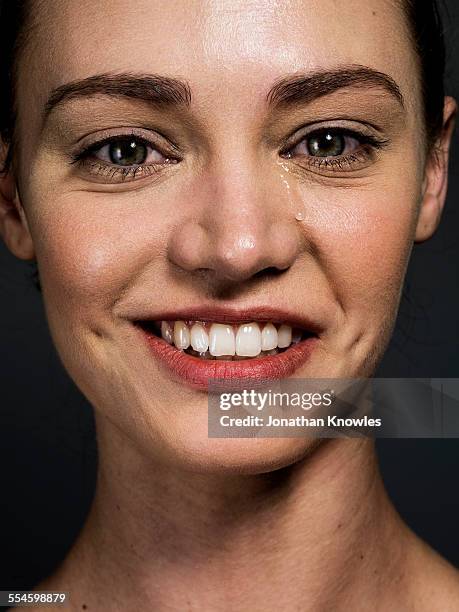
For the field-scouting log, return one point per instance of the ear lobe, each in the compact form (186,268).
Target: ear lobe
(436,177)
(14,228)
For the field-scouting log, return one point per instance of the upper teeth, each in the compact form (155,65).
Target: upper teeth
(199,338)
(245,340)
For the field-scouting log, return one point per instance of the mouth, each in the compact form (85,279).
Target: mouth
(197,349)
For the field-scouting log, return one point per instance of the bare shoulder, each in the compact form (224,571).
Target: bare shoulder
(434,582)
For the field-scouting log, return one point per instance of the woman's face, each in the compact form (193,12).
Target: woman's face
(278,177)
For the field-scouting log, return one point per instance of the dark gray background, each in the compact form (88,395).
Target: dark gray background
(47,449)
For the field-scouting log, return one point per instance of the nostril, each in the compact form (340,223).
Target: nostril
(269,272)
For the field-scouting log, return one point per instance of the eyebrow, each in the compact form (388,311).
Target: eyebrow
(155,89)
(167,91)
(308,87)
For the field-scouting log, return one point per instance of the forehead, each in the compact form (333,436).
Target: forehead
(217,45)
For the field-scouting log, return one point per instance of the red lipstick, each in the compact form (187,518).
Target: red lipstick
(197,372)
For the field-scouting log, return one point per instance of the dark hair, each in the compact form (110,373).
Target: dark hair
(423,19)
(425,24)
(12,30)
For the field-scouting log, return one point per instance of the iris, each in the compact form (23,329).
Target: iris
(127,152)
(326,144)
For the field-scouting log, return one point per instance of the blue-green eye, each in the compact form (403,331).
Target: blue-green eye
(334,149)
(128,152)
(326,143)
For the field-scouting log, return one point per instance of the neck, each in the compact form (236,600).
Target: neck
(309,536)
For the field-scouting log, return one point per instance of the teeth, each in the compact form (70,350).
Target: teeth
(181,335)
(268,337)
(284,336)
(166,332)
(221,340)
(199,338)
(296,336)
(248,340)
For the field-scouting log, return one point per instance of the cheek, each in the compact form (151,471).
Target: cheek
(90,247)
(363,239)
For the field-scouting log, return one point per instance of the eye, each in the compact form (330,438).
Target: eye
(128,152)
(326,143)
(334,150)
(121,158)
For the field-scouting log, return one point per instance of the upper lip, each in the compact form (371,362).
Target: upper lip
(233,316)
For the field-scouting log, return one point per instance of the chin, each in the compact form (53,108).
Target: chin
(190,448)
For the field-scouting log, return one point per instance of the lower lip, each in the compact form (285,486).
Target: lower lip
(197,372)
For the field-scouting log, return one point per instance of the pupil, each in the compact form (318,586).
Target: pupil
(326,144)
(127,153)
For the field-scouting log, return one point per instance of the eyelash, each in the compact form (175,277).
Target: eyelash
(114,173)
(368,145)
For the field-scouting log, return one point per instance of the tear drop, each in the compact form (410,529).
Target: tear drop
(299,216)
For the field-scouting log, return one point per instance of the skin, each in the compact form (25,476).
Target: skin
(181,521)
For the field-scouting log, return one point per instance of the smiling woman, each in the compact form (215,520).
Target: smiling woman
(226,190)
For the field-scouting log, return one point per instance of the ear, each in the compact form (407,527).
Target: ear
(436,177)
(13,223)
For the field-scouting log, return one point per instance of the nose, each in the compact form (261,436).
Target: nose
(240,224)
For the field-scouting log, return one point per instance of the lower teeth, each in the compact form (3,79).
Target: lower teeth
(207,355)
